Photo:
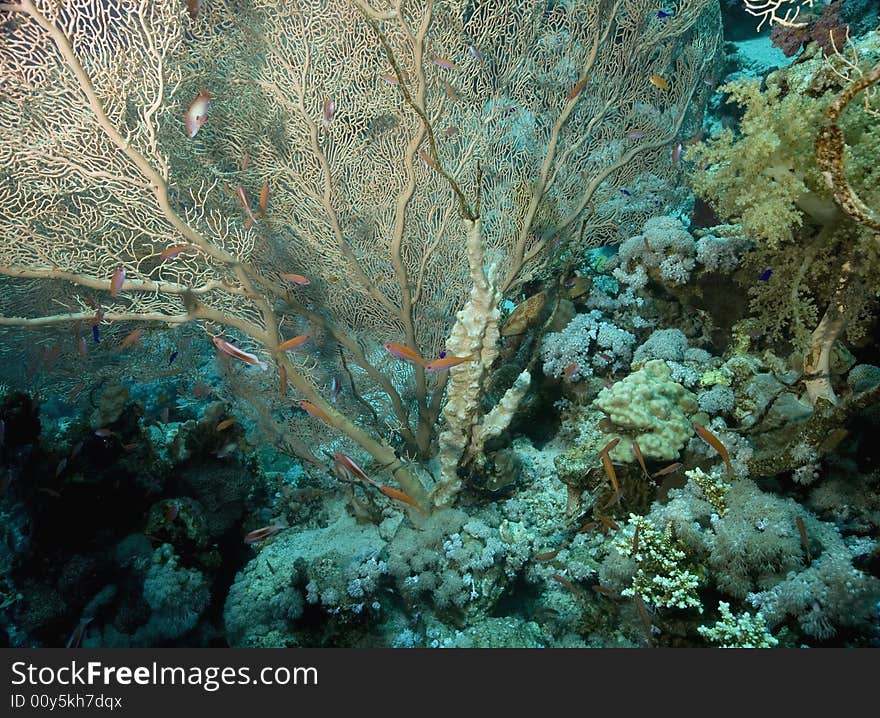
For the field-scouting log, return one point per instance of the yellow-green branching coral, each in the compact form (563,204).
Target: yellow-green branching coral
(741,631)
(800,175)
(663,576)
(765,178)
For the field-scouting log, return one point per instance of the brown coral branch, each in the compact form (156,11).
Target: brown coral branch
(830,148)
(466,210)
(542,185)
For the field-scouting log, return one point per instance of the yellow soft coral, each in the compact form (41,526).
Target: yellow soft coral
(766,179)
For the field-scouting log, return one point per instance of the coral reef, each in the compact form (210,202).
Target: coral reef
(497,359)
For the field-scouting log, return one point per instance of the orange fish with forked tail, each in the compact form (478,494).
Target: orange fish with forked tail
(133,337)
(296,279)
(398,495)
(263,533)
(315,411)
(294,343)
(401,351)
(234,351)
(715,443)
(446,362)
(345,465)
(172,251)
(264,199)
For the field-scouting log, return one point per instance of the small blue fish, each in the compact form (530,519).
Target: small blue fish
(626,192)
(765,275)
(443,355)
(171,357)
(95,333)
(663,14)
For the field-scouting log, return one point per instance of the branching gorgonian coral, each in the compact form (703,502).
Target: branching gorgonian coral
(404,153)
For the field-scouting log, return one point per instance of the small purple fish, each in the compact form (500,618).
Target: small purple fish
(335,388)
(662,14)
(442,355)
(171,357)
(635,135)
(96,335)
(765,275)
(626,192)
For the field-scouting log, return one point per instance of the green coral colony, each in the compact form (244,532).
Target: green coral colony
(482,324)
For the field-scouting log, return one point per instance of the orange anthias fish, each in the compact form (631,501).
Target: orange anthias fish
(612,477)
(547,555)
(568,584)
(447,362)
(390,78)
(715,443)
(637,450)
(197,113)
(666,470)
(225,424)
(445,63)
(315,411)
(428,160)
(398,495)
(234,351)
(576,89)
(802,530)
(263,533)
(676,153)
(264,199)
(401,351)
(610,445)
(117,281)
(133,337)
(294,343)
(450,90)
(296,279)
(346,465)
(246,205)
(659,82)
(172,251)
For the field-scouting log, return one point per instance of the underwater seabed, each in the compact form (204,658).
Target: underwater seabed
(759,528)
(691,459)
